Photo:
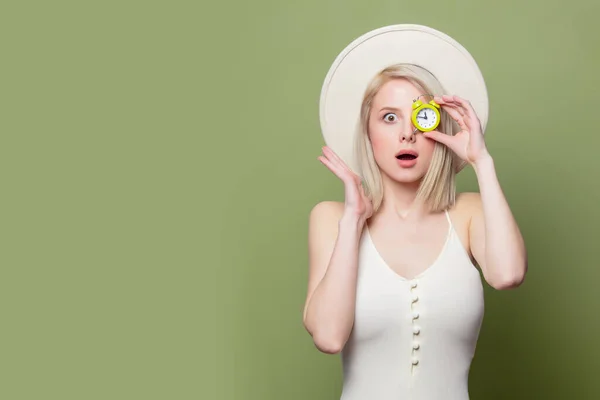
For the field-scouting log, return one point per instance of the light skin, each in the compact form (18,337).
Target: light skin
(483,221)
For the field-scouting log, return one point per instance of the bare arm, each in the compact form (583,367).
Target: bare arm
(333,256)
(334,234)
(495,238)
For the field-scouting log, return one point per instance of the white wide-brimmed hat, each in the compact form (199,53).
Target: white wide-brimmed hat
(345,83)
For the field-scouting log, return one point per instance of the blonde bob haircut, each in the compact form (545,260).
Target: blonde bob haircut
(437,189)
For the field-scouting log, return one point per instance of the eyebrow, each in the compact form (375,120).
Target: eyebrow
(391,109)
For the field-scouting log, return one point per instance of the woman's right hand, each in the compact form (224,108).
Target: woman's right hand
(357,202)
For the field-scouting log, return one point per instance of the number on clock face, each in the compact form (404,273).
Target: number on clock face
(427,117)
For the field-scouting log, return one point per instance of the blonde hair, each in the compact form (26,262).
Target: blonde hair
(438,188)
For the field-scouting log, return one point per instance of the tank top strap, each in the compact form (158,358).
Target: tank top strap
(448,218)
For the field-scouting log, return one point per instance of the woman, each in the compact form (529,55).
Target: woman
(393,284)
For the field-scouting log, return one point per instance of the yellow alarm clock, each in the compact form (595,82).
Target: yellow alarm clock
(425,116)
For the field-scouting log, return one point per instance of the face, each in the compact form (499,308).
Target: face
(400,154)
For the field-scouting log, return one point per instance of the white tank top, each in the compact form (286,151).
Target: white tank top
(413,339)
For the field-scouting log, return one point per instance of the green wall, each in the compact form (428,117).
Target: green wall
(159,160)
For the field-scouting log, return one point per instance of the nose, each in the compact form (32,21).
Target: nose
(408,135)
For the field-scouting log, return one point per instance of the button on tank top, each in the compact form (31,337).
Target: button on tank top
(413,339)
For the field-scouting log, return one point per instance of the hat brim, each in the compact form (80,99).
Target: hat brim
(349,75)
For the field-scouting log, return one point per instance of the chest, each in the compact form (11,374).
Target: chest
(409,253)
(448,295)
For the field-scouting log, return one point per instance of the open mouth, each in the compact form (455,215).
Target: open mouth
(406,157)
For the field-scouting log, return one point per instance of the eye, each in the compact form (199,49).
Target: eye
(390,117)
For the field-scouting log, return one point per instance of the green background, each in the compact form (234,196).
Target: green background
(159,161)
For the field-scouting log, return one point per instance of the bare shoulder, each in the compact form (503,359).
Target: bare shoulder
(468,204)
(326,212)
(324,219)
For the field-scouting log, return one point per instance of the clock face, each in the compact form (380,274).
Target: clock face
(427,118)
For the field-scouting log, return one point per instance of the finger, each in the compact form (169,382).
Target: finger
(466,105)
(335,158)
(341,173)
(453,101)
(455,114)
(449,102)
(448,99)
(439,137)
(333,168)
(470,120)
(454,107)
(327,150)
(439,100)
(444,100)
(467,116)
(366,199)
(361,189)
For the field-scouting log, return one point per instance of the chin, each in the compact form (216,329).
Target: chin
(408,175)
(408,178)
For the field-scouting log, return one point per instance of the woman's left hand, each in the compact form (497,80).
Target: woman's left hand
(468,144)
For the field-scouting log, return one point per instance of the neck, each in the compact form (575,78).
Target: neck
(400,199)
